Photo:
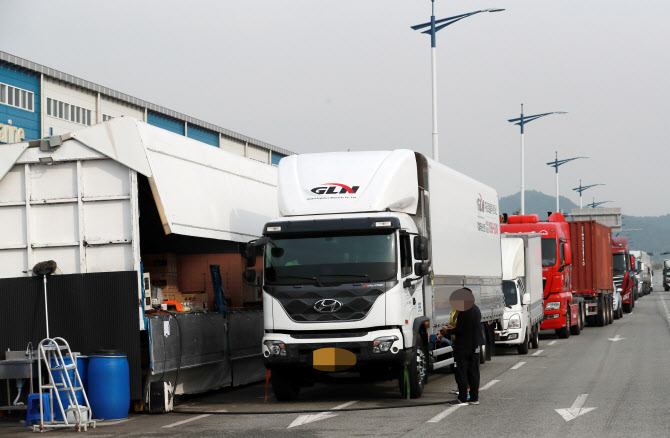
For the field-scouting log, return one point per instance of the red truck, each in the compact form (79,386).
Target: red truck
(563,311)
(622,272)
(591,244)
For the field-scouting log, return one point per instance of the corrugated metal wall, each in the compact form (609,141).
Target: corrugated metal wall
(91,311)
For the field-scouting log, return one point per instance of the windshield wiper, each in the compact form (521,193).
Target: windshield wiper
(314,279)
(347,275)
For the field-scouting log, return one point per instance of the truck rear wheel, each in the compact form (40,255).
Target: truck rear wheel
(535,337)
(285,384)
(523,347)
(417,370)
(602,319)
(582,312)
(564,332)
(610,310)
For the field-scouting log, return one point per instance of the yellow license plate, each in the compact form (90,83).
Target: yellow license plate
(333,359)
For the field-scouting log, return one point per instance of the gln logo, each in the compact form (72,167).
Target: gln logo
(480,203)
(334,189)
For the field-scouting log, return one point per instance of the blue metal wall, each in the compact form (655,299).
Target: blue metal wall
(164,122)
(28,120)
(203,135)
(276,157)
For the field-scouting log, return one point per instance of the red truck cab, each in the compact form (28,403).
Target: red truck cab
(561,309)
(622,272)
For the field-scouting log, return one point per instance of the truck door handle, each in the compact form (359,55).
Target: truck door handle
(414,301)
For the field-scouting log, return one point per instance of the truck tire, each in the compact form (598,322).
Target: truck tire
(577,328)
(417,369)
(523,347)
(285,384)
(601,318)
(610,310)
(564,332)
(535,337)
(582,311)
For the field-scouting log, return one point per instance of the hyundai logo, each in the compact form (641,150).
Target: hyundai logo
(327,306)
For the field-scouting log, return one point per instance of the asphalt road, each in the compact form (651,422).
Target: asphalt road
(612,381)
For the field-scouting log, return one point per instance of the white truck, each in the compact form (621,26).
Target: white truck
(522,287)
(359,269)
(643,271)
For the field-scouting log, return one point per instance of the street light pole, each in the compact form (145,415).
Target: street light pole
(595,204)
(582,188)
(433,57)
(521,121)
(556,164)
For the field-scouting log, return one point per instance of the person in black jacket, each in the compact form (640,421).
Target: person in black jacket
(468,338)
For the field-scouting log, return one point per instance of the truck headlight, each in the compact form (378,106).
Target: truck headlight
(553,305)
(383,344)
(514,322)
(625,297)
(275,348)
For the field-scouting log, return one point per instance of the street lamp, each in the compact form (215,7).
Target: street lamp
(521,121)
(435,26)
(595,204)
(582,188)
(555,164)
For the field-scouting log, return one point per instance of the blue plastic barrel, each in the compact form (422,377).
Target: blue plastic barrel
(58,378)
(109,385)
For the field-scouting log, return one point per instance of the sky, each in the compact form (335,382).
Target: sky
(337,75)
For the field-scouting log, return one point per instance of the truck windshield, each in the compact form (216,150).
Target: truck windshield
(331,259)
(509,290)
(619,263)
(548,252)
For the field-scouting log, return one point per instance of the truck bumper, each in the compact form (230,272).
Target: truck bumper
(553,320)
(509,337)
(299,350)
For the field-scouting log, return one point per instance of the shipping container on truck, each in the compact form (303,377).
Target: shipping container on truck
(359,269)
(522,286)
(563,312)
(622,272)
(592,270)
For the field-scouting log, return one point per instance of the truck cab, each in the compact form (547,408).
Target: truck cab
(623,273)
(561,310)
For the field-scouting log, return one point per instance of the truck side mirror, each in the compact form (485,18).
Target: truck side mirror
(250,255)
(421,268)
(250,276)
(526,298)
(567,253)
(420,248)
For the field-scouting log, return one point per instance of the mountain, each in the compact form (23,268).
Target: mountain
(654,234)
(536,203)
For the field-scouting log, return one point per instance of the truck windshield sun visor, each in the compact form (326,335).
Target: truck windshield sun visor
(548,252)
(331,259)
(340,226)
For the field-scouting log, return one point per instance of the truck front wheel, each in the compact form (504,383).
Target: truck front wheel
(523,347)
(417,370)
(577,328)
(285,385)
(564,332)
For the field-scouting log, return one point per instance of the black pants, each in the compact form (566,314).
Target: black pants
(467,375)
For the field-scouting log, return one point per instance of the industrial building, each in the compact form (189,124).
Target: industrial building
(37,101)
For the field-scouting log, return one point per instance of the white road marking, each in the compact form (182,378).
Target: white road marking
(188,420)
(518,365)
(310,418)
(110,423)
(537,353)
(616,338)
(488,385)
(443,414)
(552,343)
(576,409)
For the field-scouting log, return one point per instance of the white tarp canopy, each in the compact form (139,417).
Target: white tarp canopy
(199,190)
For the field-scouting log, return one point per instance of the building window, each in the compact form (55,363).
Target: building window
(68,112)
(105,117)
(3,93)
